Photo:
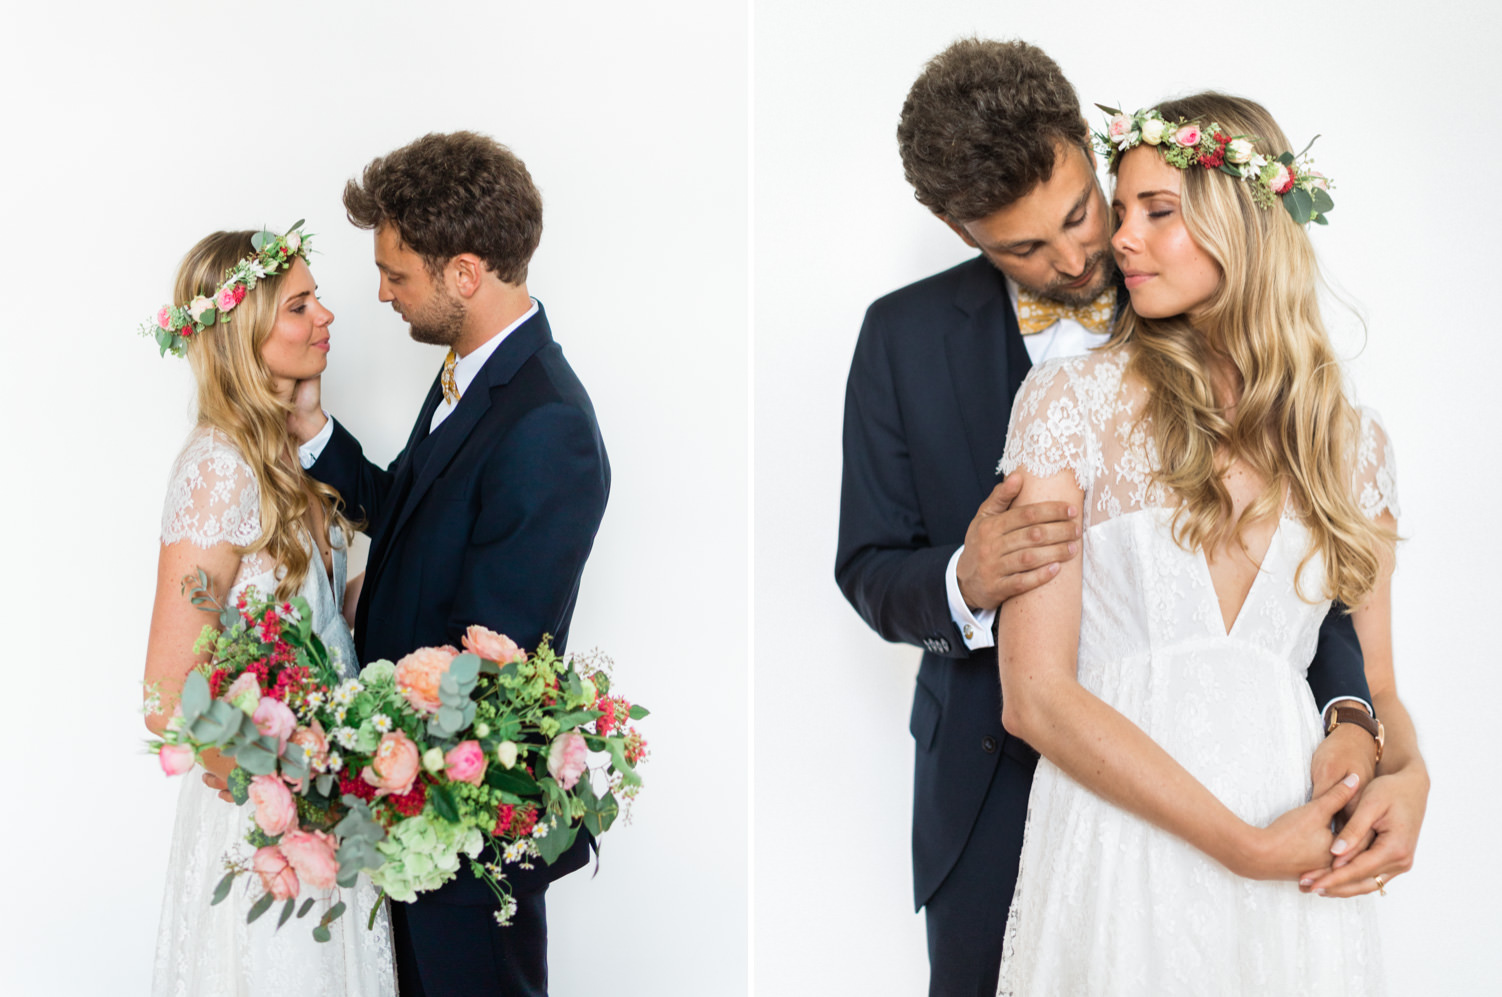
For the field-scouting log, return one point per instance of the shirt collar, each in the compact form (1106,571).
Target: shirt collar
(466,367)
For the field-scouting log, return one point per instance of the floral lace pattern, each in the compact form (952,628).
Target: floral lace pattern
(1105,902)
(205,951)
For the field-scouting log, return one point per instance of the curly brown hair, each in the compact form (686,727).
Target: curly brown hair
(982,125)
(453,193)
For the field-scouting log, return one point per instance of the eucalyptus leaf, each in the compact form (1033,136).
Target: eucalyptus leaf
(1321,200)
(1286,158)
(1302,205)
(256,759)
(195,696)
(208,317)
(307,905)
(1321,220)
(229,615)
(465,668)
(325,783)
(222,890)
(1109,110)
(260,907)
(639,713)
(321,933)
(490,668)
(287,910)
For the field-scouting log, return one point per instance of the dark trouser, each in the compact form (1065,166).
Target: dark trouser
(461,952)
(967,915)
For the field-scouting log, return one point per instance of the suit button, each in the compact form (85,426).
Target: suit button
(988,744)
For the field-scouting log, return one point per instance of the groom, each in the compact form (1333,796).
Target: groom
(488,513)
(930,545)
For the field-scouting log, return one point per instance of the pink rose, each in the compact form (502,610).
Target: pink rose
(276,874)
(164,318)
(273,719)
(465,762)
(394,767)
(311,855)
(418,675)
(1187,136)
(492,646)
(244,692)
(1282,179)
(313,742)
(1119,128)
(567,757)
(226,298)
(175,758)
(276,813)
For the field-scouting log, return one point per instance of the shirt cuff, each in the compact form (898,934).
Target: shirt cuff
(309,452)
(1325,710)
(975,627)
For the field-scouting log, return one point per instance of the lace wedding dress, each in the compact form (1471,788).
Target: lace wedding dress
(205,951)
(1105,902)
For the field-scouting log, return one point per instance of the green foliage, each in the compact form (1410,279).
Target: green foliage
(260,907)
(222,889)
(287,909)
(239,785)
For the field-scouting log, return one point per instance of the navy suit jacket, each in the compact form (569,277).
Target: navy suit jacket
(487,520)
(926,410)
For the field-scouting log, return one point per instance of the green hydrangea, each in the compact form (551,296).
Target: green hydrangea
(422,854)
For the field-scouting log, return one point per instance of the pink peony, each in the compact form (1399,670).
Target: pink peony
(418,675)
(567,758)
(175,758)
(244,692)
(466,762)
(276,812)
(273,719)
(311,855)
(394,767)
(275,872)
(313,742)
(492,646)
(1187,136)
(164,318)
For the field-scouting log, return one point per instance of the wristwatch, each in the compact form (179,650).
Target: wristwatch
(1356,715)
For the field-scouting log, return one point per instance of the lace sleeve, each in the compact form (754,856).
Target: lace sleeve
(1374,479)
(212,496)
(1051,426)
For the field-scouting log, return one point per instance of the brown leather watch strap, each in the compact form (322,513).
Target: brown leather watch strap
(1357,716)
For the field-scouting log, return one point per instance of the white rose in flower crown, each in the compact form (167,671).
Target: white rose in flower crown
(294,241)
(198,306)
(1239,150)
(1152,130)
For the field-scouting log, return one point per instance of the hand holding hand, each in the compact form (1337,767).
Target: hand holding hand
(306,418)
(1379,839)
(1011,551)
(1349,749)
(1296,841)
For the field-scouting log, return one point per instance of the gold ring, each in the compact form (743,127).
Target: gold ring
(1381,886)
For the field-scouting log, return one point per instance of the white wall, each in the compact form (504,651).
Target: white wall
(131,130)
(1406,99)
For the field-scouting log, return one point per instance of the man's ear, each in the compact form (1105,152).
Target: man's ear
(468,270)
(959,230)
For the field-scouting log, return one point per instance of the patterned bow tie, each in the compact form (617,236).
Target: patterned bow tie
(450,383)
(1034,314)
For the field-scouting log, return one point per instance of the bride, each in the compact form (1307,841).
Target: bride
(240,507)
(1230,491)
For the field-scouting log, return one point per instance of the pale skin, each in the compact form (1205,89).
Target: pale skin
(296,349)
(1107,753)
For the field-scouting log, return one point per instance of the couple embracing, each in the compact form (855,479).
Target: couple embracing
(1178,593)
(486,516)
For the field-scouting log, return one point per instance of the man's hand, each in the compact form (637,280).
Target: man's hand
(306,418)
(217,776)
(1348,749)
(1011,551)
(1379,839)
(1294,840)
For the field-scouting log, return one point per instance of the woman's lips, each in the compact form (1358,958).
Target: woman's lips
(1135,280)
(324,346)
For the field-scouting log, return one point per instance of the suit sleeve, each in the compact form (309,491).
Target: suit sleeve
(1338,670)
(365,487)
(886,565)
(543,493)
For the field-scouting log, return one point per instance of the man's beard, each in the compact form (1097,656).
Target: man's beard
(441,320)
(1060,291)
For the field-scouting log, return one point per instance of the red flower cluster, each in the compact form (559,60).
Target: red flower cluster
(216,679)
(614,712)
(513,821)
(239,293)
(410,804)
(356,786)
(1213,160)
(636,747)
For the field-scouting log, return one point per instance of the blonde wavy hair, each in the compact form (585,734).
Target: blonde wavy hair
(236,397)
(1293,423)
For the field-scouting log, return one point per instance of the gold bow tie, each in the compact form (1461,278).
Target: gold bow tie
(450,383)
(1034,314)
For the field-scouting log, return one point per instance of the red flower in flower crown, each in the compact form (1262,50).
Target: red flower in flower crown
(239,293)
(1211,160)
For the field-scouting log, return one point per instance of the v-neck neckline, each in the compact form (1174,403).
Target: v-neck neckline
(1204,560)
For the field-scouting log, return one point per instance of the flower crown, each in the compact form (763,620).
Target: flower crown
(1287,177)
(176,324)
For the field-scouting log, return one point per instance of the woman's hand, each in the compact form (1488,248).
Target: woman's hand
(1297,841)
(1378,840)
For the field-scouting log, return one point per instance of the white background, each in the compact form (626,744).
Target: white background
(1409,115)
(133,130)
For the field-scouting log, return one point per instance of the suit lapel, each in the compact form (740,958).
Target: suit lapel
(987,362)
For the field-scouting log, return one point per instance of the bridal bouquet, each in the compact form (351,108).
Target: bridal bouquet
(409,766)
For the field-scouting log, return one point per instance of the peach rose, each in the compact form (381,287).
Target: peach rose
(418,675)
(273,719)
(394,767)
(314,743)
(567,758)
(311,855)
(1188,136)
(491,646)
(466,762)
(275,872)
(244,692)
(175,758)
(276,812)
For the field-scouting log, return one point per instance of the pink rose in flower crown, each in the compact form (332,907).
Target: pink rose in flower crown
(1120,128)
(226,298)
(164,318)
(1279,178)
(465,762)
(568,756)
(276,811)
(273,719)
(1188,136)
(175,758)
(491,646)
(275,872)
(244,692)
(394,767)
(418,674)
(314,743)
(311,855)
